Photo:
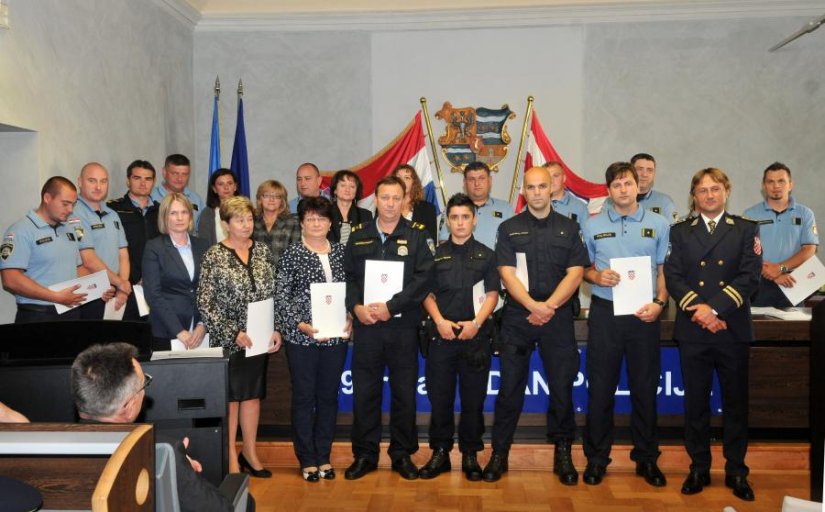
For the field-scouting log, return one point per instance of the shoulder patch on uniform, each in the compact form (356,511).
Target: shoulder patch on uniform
(604,235)
(6,250)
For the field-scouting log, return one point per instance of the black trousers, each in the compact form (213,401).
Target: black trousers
(730,359)
(446,364)
(28,313)
(315,373)
(93,310)
(376,347)
(611,339)
(770,294)
(560,358)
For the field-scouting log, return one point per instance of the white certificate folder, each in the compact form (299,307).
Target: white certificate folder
(260,324)
(809,276)
(329,312)
(382,280)
(93,285)
(635,287)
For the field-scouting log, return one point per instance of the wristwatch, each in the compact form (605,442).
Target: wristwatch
(784,269)
(657,300)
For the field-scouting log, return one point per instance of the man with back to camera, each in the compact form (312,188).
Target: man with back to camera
(788,233)
(108,385)
(176,172)
(44,248)
(385,334)
(104,231)
(461,351)
(653,200)
(307,184)
(623,229)
(490,212)
(711,272)
(538,312)
(139,216)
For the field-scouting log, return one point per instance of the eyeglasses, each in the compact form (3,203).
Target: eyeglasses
(147,379)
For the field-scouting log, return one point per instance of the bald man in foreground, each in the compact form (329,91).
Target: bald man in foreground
(538,313)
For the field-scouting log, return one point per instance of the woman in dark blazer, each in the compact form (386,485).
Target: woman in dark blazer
(171,267)
(415,208)
(346,192)
(222,184)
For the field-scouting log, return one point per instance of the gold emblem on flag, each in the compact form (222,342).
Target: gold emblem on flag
(474,134)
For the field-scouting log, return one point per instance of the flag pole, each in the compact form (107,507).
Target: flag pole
(432,148)
(520,147)
(218,101)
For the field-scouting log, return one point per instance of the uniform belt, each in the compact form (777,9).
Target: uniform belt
(37,308)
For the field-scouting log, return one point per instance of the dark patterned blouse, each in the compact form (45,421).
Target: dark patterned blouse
(299,268)
(285,231)
(227,286)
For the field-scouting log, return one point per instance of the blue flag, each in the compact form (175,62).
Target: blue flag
(240,160)
(215,143)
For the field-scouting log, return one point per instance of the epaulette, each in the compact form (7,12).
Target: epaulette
(417,225)
(741,217)
(682,221)
(357,227)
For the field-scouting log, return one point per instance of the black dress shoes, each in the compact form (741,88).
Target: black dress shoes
(360,467)
(438,463)
(495,468)
(470,467)
(246,466)
(695,482)
(563,463)
(594,473)
(404,466)
(651,472)
(740,486)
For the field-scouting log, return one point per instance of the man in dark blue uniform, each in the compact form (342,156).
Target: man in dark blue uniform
(139,215)
(712,271)
(385,334)
(541,261)
(623,229)
(465,292)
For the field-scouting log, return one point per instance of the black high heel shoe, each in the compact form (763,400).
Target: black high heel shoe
(246,466)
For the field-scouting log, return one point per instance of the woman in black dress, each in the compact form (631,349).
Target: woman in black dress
(235,273)
(415,208)
(346,192)
(222,185)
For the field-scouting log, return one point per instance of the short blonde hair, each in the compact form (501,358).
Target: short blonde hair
(166,205)
(234,206)
(272,186)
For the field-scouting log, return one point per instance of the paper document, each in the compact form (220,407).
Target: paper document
(635,287)
(183,354)
(260,324)
(110,313)
(809,276)
(803,314)
(140,297)
(178,344)
(329,313)
(521,270)
(382,280)
(92,285)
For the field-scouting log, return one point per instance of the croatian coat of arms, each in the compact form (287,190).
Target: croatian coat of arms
(328,299)
(474,134)
(384,278)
